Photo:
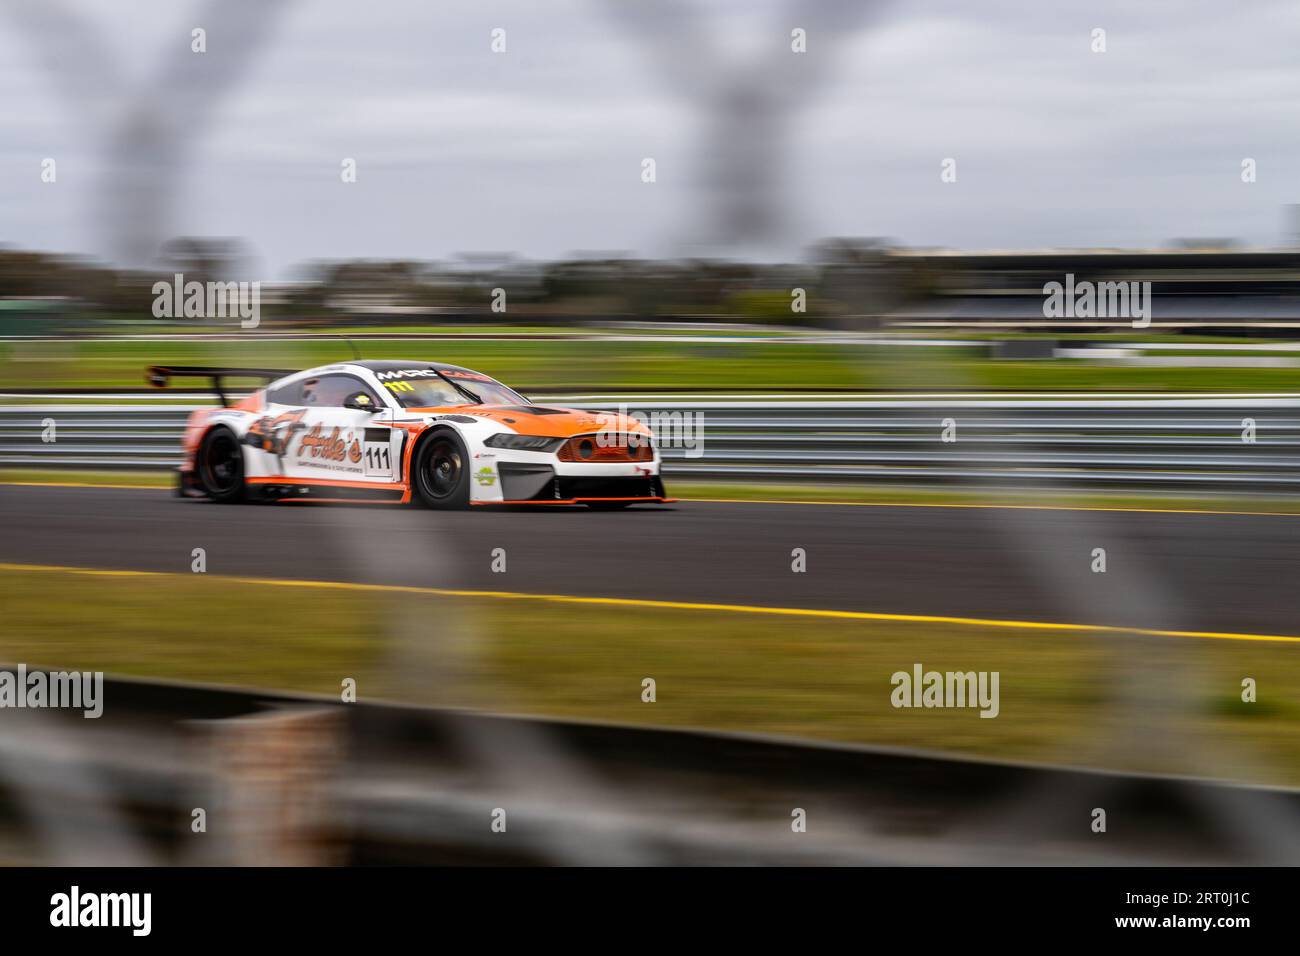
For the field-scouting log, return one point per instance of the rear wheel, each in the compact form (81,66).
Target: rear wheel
(440,472)
(219,465)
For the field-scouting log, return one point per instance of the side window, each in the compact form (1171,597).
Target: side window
(290,394)
(330,391)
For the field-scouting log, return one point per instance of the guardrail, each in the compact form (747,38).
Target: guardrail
(1250,441)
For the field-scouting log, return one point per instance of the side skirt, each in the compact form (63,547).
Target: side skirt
(288,489)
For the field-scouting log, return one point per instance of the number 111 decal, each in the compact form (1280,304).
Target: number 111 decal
(379,459)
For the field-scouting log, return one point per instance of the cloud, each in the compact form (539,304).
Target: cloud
(538,150)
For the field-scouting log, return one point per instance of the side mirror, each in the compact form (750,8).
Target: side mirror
(360,402)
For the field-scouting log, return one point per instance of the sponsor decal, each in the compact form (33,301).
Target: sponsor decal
(329,447)
(474,376)
(272,434)
(486,476)
(406,373)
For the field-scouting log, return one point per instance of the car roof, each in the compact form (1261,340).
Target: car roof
(397,366)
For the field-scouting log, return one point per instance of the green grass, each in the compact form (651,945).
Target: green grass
(526,364)
(668,362)
(1155,704)
(102,479)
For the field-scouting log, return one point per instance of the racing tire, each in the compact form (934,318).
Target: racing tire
(219,465)
(440,472)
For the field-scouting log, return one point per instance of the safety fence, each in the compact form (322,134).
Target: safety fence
(1249,441)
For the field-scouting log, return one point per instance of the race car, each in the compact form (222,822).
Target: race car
(397,431)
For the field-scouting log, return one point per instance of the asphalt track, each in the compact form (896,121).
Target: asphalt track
(1170,571)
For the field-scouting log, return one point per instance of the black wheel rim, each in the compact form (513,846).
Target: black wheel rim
(222,465)
(443,469)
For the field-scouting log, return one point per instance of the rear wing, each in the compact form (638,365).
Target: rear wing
(160,376)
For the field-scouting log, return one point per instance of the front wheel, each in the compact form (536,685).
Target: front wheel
(219,465)
(440,472)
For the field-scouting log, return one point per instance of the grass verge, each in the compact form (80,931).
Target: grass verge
(1154,704)
(98,479)
(677,361)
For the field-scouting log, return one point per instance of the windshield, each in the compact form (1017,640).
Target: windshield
(426,388)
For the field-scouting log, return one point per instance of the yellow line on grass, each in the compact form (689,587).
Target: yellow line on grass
(668,605)
(83,484)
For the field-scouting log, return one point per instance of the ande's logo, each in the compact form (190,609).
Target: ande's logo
(330,447)
(274,434)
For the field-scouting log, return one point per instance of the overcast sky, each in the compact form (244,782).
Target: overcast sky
(539,150)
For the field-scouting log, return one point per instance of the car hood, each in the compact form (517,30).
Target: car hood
(548,420)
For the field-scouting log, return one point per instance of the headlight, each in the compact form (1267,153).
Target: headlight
(523,442)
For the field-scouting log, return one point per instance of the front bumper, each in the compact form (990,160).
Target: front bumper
(540,483)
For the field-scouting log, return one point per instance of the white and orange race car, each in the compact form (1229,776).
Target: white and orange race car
(439,435)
